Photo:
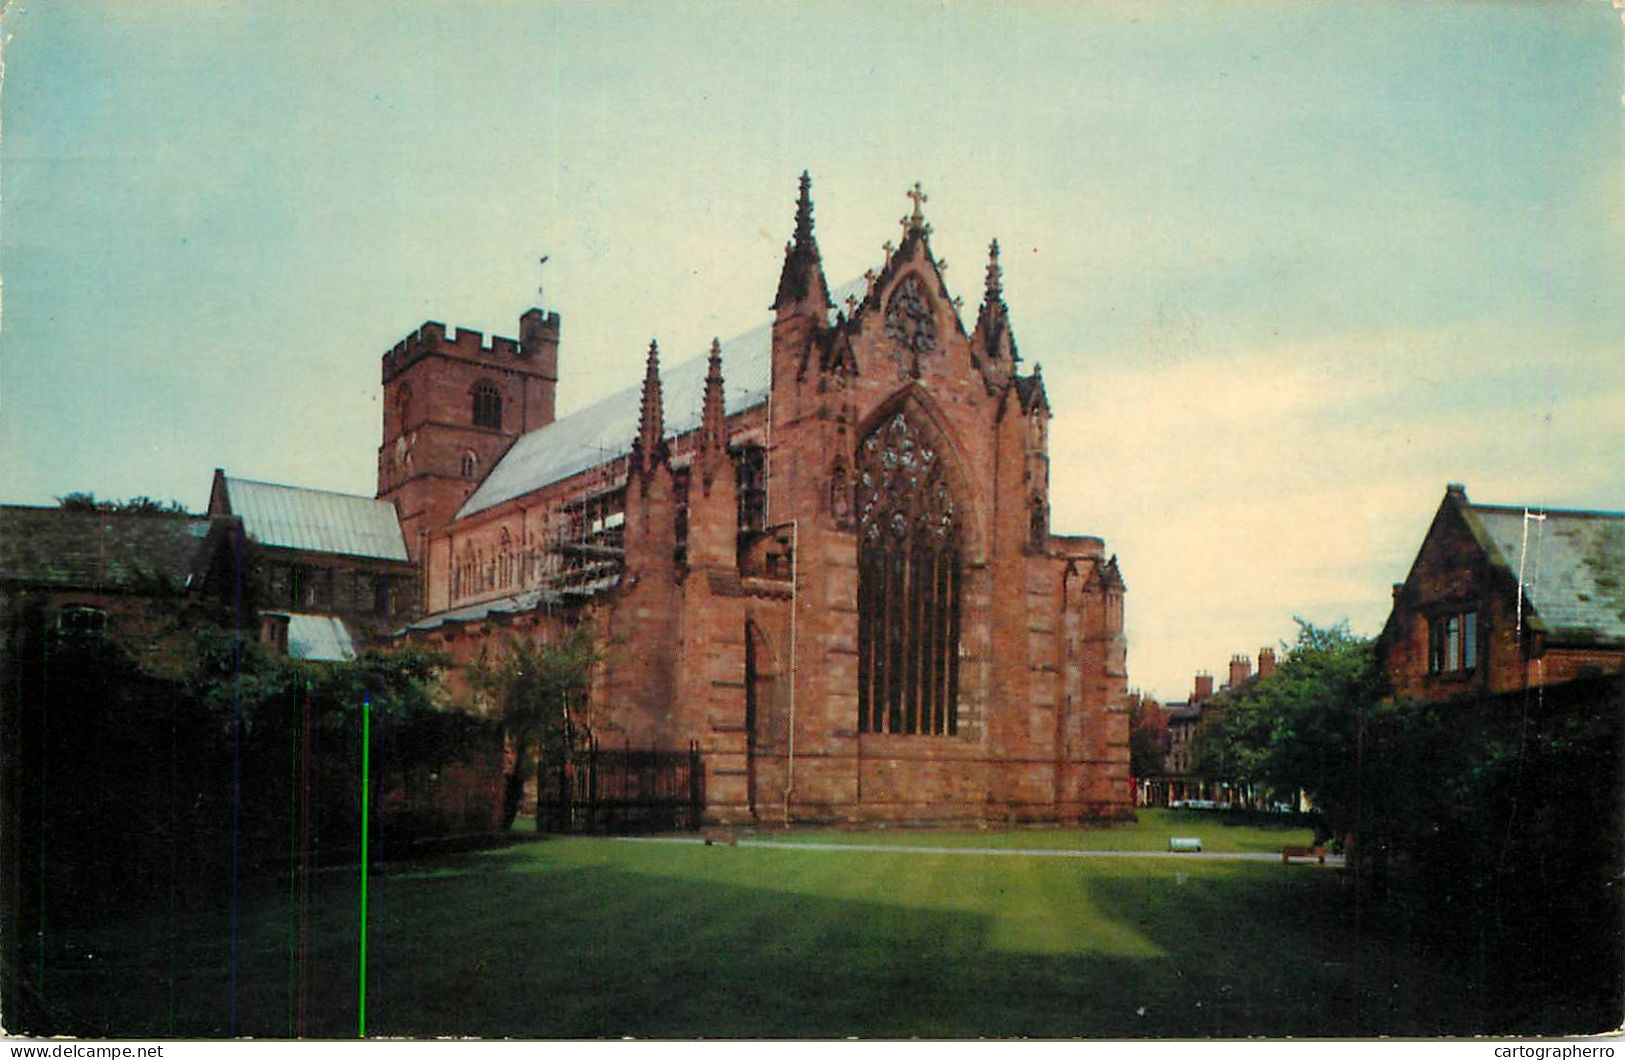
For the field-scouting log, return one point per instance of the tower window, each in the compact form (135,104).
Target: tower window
(471,463)
(487,407)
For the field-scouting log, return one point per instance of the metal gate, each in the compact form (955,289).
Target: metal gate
(626,789)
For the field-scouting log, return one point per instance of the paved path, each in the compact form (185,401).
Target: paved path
(1332,860)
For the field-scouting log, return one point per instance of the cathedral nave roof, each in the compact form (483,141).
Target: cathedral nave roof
(604,430)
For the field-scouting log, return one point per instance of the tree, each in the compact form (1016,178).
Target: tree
(1147,736)
(1303,728)
(540,692)
(80,501)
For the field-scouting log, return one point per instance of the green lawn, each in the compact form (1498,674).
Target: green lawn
(1217,831)
(594,937)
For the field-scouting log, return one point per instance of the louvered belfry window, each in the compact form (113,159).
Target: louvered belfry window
(487,407)
(908,584)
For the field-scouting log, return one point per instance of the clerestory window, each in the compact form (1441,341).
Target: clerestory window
(909,578)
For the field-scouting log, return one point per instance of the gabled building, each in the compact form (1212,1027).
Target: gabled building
(819,554)
(326,570)
(1502,598)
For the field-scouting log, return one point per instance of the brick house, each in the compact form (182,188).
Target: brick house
(820,552)
(1178,782)
(1502,598)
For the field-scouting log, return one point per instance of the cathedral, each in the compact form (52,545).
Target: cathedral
(819,555)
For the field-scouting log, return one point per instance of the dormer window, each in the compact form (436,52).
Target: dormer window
(487,407)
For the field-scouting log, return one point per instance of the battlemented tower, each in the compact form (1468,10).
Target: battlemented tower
(452,406)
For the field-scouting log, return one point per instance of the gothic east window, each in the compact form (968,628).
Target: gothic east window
(487,407)
(910,321)
(909,577)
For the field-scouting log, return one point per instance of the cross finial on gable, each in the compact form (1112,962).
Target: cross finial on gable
(919,196)
(915,222)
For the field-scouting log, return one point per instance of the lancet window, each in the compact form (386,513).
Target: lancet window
(750,465)
(909,579)
(487,407)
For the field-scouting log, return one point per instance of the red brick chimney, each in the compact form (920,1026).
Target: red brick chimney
(1241,668)
(1266,661)
(1204,687)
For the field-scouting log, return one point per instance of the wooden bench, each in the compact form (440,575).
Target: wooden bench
(1290,852)
(1184,844)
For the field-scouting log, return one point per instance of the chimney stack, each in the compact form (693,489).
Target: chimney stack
(1266,661)
(1241,668)
(1204,687)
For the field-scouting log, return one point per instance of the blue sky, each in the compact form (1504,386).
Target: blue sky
(1289,268)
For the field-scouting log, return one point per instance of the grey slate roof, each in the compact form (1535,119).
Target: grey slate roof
(519,603)
(316,520)
(53,547)
(319,638)
(604,430)
(1573,568)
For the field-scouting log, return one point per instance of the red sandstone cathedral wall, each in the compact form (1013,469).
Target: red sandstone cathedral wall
(755,644)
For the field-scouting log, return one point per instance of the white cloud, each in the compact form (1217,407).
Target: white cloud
(1298,477)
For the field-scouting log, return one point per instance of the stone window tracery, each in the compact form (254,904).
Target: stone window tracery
(910,319)
(909,577)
